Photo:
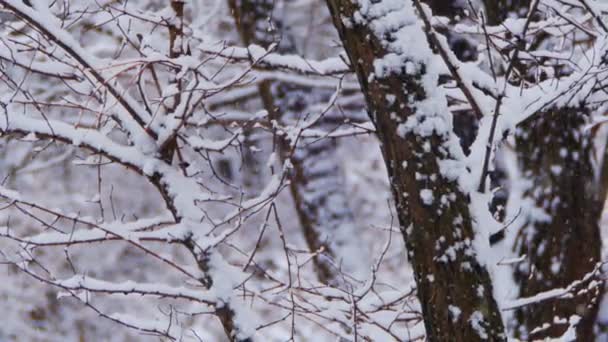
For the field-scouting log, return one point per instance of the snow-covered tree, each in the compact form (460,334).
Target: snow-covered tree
(253,170)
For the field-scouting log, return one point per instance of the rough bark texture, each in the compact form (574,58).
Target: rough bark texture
(562,243)
(454,289)
(316,181)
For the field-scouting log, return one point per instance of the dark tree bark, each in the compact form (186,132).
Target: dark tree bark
(464,49)
(466,123)
(498,10)
(454,289)
(316,181)
(563,243)
(554,153)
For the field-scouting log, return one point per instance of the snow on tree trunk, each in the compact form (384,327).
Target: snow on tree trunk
(398,75)
(561,237)
(498,10)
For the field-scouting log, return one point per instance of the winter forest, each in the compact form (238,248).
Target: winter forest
(303,170)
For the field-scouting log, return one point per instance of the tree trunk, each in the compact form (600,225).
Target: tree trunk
(561,236)
(423,158)
(563,244)
(316,181)
(253,26)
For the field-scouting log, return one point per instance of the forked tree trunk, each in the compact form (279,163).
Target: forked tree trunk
(316,182)
(423,161)
(561,237)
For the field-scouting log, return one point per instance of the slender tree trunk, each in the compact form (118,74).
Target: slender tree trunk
(318,189)
(224,312)
(316,181)
(253,24)
(561,237)
(422,157)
